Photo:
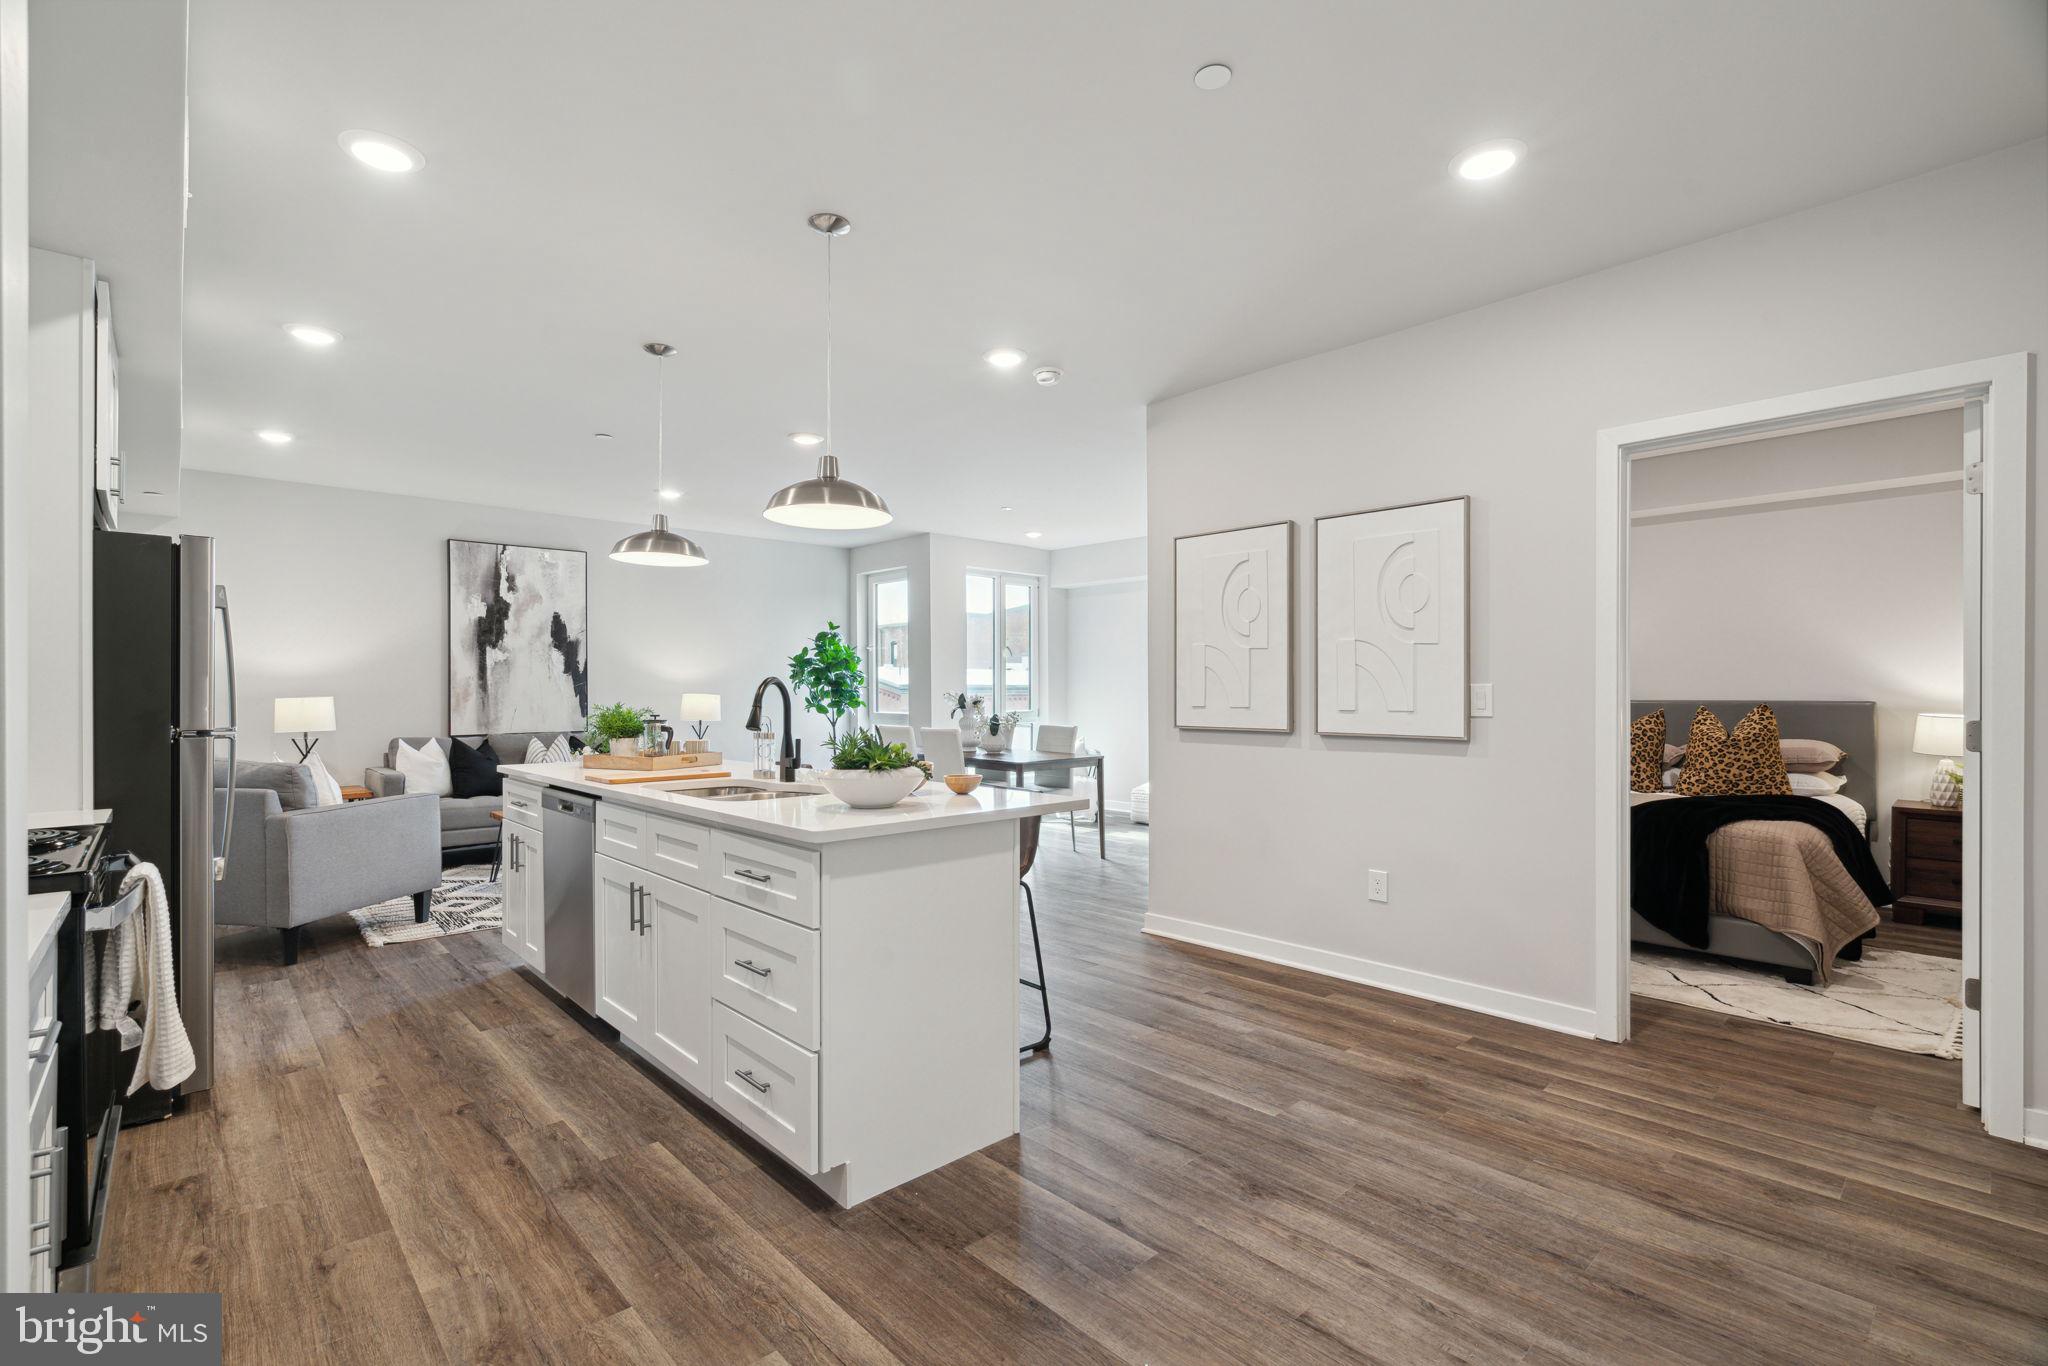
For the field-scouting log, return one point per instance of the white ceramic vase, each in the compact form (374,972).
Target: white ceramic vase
(868,790)
(992,743)
(972,722)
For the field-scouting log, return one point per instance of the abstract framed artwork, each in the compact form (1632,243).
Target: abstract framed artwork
(1233,629)
(1393,621)
(518,638)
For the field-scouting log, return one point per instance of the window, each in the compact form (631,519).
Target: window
(1011,653)
(886,644)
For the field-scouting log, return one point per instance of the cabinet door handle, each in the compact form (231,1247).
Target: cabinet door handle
(48,1048)
(748,1077)
(633,907)
(646,895)
(750,966)
(750,875)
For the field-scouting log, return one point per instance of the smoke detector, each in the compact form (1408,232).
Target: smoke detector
(1047,376)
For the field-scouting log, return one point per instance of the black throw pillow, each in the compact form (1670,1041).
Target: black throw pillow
(474,772)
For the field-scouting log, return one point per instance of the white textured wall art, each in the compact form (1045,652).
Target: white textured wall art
(518,639)
(1233,625)
(1392,622)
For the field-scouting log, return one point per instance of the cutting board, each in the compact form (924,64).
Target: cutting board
(654,763)
(618,777)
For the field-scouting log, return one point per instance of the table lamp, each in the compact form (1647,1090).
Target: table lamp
(1941,733)
(700,709)
(304,715)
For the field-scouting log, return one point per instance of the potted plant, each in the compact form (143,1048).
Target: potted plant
(869,772)
(996,738)
(615,729)
(827,673)
(972,713)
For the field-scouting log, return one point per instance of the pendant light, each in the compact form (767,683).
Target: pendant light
(660,546)
(828,502)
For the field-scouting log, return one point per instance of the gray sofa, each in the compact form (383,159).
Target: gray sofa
(466,824)
(291,862)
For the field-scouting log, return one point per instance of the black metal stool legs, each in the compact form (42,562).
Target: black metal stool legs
(1031,909)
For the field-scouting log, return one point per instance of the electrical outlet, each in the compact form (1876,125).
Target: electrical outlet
(1482,699)
(1376,884)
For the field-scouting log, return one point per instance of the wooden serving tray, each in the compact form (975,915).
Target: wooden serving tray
(652,763)
(619,778)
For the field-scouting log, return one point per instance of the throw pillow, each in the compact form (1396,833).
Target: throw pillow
(556,753)
(1810,756)
(425,769)
(1646,752)
(1816,784)
(474,772)
(1744,762)
(291,782)
(326,786)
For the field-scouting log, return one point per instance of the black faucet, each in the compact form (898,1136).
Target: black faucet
(791,748)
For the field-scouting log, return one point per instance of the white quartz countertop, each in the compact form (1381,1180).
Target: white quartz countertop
(46,911)
(814,816)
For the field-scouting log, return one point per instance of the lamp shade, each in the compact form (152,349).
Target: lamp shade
(700,706)
(303,715)
(1938,732)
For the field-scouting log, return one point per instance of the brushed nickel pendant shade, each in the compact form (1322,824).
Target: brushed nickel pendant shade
(828,502)
(659,546)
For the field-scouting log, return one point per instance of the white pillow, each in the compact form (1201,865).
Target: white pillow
(1815,784)
(1670,779)
(425,769)
(326,787)
(556,753)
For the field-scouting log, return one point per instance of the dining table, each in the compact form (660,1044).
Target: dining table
(1021,764)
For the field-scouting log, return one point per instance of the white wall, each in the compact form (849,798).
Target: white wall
(1105,651)
(1858,598)
(1489,843)
(345,593)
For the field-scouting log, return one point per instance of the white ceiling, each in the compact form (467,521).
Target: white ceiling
(1039,175)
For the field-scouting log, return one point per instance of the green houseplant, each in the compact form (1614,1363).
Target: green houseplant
(827,673)
(972,712)
(615,722)
(868,771)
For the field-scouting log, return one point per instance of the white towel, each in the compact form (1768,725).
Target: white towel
(166,1052)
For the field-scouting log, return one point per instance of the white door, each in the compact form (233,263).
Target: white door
(1973,560)
(621,947)
(679,995)
(531,937)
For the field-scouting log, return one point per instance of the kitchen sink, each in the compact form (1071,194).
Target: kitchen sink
(735,793)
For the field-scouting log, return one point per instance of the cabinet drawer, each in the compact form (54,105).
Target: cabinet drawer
(1937,879)
(767,970)
(767,1085)
(680,850)
(1935,840)
(522,805)
(776,878)
(622,832)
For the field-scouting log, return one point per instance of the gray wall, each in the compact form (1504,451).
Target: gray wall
(345,593)
(1262,843)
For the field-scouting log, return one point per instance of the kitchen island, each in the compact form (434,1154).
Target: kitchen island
(842,984)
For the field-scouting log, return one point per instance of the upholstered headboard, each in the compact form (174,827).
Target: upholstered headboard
(1850,725)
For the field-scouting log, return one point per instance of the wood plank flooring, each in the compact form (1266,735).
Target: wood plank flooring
(1934,940)
(412,1155)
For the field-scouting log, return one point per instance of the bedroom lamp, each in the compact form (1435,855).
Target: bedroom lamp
(699,709)
(1941,733)
(305,715)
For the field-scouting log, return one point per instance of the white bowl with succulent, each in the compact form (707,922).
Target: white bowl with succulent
(997,732)
(869,773)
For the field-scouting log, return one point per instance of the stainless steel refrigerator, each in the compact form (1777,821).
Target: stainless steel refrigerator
(163,716)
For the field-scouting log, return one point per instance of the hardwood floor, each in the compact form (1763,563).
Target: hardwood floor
(1934,940)
(412,1154)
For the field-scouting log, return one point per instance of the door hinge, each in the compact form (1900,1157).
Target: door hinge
(1973,737)
(1973,477)
(1973,994)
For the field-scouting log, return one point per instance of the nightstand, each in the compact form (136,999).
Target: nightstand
(356,794)
(1927,861)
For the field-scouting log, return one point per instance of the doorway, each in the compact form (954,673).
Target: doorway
(1994,399)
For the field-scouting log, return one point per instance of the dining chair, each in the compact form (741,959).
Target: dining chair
(898,735)
(1058,739)
(942,750)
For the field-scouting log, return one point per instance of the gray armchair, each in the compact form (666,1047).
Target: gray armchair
(287,867)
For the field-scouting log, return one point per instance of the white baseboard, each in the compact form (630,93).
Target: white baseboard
(1507,1005)
(2035,1128)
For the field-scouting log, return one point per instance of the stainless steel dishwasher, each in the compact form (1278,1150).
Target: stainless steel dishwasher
(568,826)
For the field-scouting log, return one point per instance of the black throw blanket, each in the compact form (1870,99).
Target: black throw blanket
(1668,874)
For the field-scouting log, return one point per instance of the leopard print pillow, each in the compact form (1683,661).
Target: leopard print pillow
(1646,753)
(1743,763)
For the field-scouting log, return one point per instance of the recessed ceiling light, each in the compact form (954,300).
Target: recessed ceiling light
(807,438)
(670,495)
(1007,508)
(311,334)
(274,436)
(381,151)
(1489,159)
(1214,76)
(1005,358)
(1033,535)
(602,436)
(1047,376)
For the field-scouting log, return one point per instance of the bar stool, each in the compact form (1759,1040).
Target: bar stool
(1027,854)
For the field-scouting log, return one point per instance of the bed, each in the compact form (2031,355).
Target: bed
(1751,854)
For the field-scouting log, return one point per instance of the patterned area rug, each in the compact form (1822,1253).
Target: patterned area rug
(467,900)
(1907,1001)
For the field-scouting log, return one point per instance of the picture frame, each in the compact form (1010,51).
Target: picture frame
(1233,629)
(1393,621)
(518,638)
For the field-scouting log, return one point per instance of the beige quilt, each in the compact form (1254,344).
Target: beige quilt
(1786,877)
